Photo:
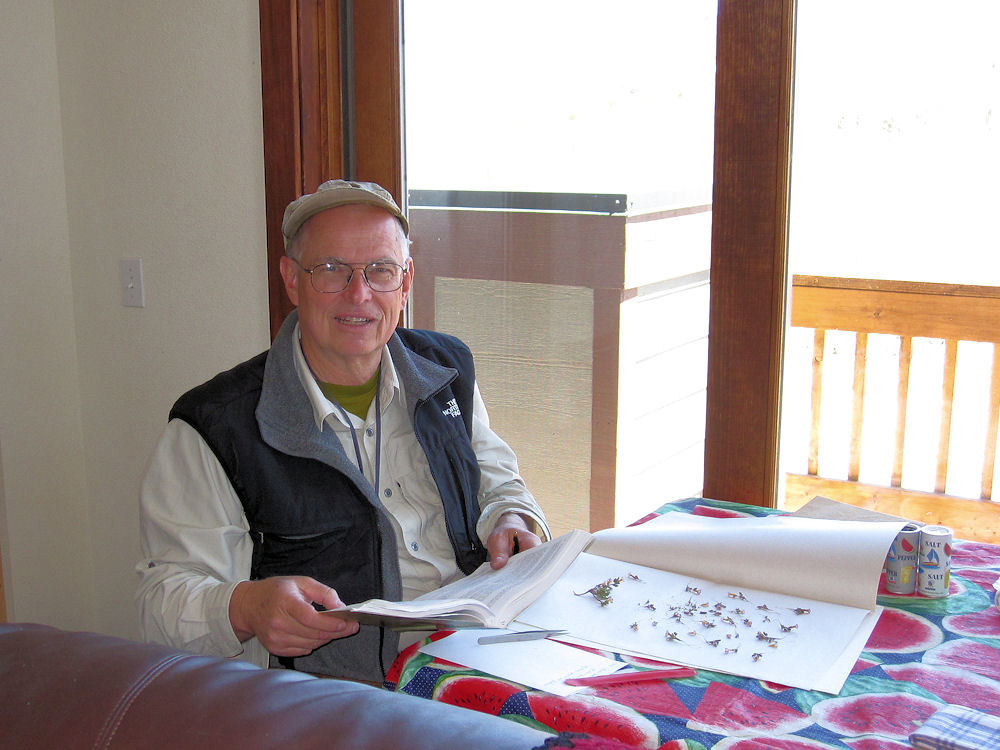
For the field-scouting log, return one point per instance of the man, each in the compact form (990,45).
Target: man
(349,461)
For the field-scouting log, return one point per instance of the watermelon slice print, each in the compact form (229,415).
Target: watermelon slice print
(892,715)
(984,578)
(705,510)
(729,710)
(962,653)
(785,742)
(478,692)
(409,660)
(975,555)
(595,716)
(647,517)
(951,685)
(900,632)
(982,624)
(876,743)
(646,698)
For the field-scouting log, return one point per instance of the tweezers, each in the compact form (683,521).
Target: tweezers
(526,635)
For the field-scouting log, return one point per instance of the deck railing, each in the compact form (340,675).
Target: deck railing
(908,311)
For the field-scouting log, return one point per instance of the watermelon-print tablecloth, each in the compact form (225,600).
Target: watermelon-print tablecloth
(924,653)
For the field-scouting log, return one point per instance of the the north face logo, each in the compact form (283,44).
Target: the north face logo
(452,410)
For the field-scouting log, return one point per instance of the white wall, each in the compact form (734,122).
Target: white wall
(129,129)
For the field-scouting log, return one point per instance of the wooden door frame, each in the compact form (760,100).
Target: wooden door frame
(329,69)
(303,127)
(754,63)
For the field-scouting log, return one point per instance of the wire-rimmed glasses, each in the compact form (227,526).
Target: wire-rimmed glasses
(333,276)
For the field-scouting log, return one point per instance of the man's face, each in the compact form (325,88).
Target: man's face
(343,333)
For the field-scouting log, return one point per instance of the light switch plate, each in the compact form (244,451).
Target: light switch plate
(133,295)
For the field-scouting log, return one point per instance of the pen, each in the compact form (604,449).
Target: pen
(645,675)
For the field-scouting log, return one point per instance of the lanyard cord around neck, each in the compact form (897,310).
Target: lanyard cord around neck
(378,431)
(350,426)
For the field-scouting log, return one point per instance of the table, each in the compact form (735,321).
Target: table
(922,654)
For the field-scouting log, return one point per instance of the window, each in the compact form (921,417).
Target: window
(559,174)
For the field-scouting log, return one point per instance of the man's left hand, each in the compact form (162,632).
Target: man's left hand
(510,528)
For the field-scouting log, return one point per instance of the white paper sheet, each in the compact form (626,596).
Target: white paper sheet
(542,664)
(800,649)
(840,670)
(833,561)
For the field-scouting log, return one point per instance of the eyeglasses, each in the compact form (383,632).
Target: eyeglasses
(333,277)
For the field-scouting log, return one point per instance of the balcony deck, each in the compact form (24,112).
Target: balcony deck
(958,317)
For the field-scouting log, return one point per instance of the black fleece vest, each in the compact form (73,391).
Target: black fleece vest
(307,518)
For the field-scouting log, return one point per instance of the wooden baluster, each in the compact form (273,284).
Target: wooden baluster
(819,347)
(990,454)
(905,355)
(947,397)
(858,416)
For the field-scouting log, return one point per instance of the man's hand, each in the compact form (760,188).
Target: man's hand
(509,536)
(280,612)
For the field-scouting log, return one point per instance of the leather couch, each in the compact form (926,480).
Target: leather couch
(63,689)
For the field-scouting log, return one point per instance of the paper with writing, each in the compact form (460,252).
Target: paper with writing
(540,664)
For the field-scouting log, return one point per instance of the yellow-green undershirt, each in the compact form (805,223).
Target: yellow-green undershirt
(354,398)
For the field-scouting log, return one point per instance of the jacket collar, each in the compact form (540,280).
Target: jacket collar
(284,412)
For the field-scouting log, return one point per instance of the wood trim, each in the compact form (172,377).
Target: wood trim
(947,400)
(902,399)
(302,120)
(816,405)
(900,308)
(858,413)
(3,597)
(904,287)
(749,229)
(977,520)
(302,84)
(321,99)
(279,70)
(378,94)
(990,453)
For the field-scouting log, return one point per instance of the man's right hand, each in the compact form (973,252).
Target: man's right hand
(279,611)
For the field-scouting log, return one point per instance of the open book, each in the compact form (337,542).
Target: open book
(485,599)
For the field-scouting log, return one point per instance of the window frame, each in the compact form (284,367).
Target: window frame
(307,77)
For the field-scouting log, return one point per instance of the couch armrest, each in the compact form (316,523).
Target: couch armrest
(72,689)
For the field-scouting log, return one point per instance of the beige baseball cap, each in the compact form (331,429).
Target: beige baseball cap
(333,193)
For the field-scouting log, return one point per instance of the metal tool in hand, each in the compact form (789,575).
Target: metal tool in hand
(526,635)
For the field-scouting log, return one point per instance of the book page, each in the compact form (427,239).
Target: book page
(425,615)
(522,580)
(486,598)
(831,561)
